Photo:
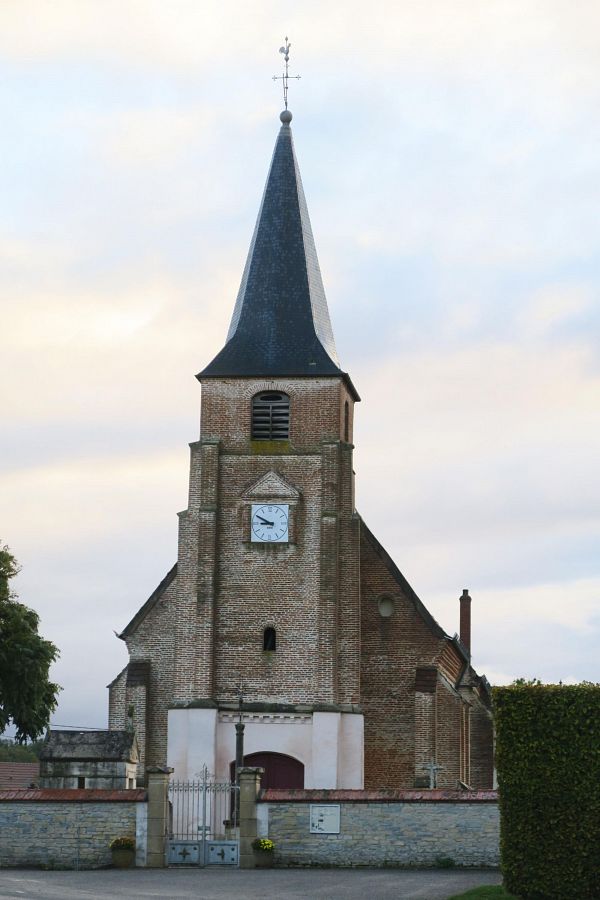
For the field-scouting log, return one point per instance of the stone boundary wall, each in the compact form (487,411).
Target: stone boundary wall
(384,828)
(69,829)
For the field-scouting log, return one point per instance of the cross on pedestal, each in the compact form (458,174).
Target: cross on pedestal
(239,754)
(433,768)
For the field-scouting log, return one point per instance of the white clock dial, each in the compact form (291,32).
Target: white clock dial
(269,523)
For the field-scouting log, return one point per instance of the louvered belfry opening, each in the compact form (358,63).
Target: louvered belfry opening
(270,417)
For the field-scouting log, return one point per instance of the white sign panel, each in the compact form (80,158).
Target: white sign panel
(325,819)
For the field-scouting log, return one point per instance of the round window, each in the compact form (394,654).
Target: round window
(385,606)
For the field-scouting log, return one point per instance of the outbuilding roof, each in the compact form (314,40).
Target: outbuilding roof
(18,774)
(97,745)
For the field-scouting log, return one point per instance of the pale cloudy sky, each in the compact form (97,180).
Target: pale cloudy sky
(450,153)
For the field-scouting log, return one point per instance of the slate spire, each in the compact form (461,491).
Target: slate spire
(280,324)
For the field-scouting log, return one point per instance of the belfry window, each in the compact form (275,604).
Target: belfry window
(270,417)
(269,640)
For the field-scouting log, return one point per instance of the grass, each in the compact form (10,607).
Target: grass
(485,892)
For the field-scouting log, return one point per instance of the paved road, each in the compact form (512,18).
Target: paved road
(236,884)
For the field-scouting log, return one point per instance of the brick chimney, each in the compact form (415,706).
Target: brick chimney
(465,620)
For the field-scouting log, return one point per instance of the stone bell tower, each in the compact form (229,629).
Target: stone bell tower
(268,582)
(281,591)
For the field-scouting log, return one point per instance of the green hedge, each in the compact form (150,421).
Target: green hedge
(548,760)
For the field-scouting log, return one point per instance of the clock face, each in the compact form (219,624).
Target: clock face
(269,523)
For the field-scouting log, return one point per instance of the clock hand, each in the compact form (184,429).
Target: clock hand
(265,521)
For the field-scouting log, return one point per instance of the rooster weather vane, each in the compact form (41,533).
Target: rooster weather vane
(286,76)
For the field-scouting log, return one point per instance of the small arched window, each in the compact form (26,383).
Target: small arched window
(270,417)
(269,640)
(385,605)
(346,421)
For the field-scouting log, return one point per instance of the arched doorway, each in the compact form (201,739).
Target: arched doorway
(281,771)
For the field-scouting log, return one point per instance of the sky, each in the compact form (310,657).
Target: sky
(450,154)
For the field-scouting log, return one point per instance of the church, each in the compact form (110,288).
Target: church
(283,610)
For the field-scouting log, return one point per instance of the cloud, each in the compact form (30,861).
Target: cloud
(184,33)
(556,306)
(450,164)
(573,605)
(478,465)
(78,501)
(547,630)
(490,401)
(147,137)
(95,351)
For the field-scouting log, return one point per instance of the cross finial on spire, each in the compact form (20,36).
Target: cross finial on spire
(286,76)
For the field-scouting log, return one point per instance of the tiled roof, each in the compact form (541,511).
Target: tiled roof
(18,774)
(275,795)
(98,745)
(280,324)
(148,605)
(75,795)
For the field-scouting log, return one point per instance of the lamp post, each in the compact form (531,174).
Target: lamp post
(239,750)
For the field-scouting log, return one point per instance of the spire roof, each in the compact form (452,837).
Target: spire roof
(280,324)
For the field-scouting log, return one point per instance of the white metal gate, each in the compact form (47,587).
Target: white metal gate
(204,827)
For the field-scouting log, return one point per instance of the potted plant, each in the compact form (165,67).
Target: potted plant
(263,849)
(123,852)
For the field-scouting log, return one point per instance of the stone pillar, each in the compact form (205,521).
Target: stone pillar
(158,815)
(249,788)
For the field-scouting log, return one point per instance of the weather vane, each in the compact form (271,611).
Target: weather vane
(286,76)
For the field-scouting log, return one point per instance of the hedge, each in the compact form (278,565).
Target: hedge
(548,760)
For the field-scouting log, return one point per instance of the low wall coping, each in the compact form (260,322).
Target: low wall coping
(74,795)
(277,795)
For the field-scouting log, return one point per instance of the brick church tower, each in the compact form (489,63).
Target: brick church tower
(279,585)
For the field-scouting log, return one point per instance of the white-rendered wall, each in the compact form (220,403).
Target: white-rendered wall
(191,742)
(351,773)
(330,745)
(290,735)
(325,751)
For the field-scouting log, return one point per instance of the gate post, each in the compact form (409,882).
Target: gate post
(249,788)
(158,810)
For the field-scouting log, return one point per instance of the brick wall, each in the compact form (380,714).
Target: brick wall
(202,631)
(414,713)
(449,706)
(154,643)
(69,829)
(482,747)
(384,829)
(391,650)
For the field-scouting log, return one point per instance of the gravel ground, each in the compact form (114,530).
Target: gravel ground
(240,884)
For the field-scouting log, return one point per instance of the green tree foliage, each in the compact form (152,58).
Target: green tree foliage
(10,751)
(548,759)
(27,697)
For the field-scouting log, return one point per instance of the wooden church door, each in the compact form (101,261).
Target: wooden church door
(281,771)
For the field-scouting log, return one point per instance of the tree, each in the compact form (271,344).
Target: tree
(27,697)
(10,751)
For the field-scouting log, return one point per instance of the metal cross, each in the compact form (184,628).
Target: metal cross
(286,55)
(433,768)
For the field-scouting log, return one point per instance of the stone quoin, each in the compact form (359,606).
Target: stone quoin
(279,585)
